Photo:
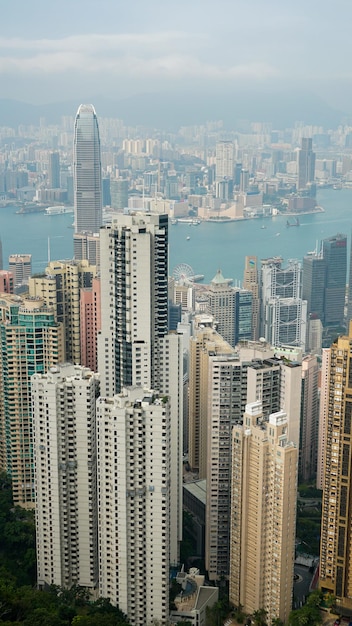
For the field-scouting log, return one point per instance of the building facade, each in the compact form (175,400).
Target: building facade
(335,545)
(87,171)
(263,514)
(31,342)
(64,433)
(60,287)
(134,473)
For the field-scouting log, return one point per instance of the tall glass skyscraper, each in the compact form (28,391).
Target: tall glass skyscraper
(87,171)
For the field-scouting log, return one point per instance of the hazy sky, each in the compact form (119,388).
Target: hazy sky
(58,50)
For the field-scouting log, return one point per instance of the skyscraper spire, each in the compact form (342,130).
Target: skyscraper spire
(87,171)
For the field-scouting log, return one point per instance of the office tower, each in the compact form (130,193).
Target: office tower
(224,190)
(64,427)
(60,287)
(87,171)
(175,315)
(134,473)
(224,160)
(244,181)
(251,283)
(54,170)
(90,324)
(263,514)
(335,544)
(119,194)
(308,447)
(306,164)
(323,414)
(6,281)
(106,193)
(184,294)
(315,335)
(313,288)
(243,314)
(221,305)
(284,313)
(21,266)
(335,255)
(32,341)
(87,246)
(134,347)
(134,300)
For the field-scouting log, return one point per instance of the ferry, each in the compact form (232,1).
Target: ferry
(189,220)
(58,210)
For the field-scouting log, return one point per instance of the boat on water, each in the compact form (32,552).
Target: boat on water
(294,223)
(187,238)
(189,220)
(58,210)
(173,220)
(263,226)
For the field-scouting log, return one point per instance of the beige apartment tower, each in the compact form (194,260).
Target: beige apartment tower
(60,287)
(336,540)
(263,514)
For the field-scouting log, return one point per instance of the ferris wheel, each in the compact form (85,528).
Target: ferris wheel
(183,273)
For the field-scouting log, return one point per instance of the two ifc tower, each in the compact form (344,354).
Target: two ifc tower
(87,171)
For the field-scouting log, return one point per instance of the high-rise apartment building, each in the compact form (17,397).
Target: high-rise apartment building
(134,347)
(32,342)
(349,294)
(134,300)
(222,380)
(90,324)
(306,163)
(60,287)
(335,255)
(263,514)
(134,478)
(87,171)
(251,283)
(323,414)
(6,281)
(335,536)
(224,160)
(309,419)
(54,170)
(64,427)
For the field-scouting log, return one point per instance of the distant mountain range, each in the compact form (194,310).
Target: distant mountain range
(169,111)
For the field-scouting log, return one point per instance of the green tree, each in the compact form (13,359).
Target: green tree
(260,616)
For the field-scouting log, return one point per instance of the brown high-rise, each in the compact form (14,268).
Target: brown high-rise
(336,525)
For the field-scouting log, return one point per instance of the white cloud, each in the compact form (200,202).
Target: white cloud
(138,55)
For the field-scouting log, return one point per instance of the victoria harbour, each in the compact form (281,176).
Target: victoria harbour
(206,247)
